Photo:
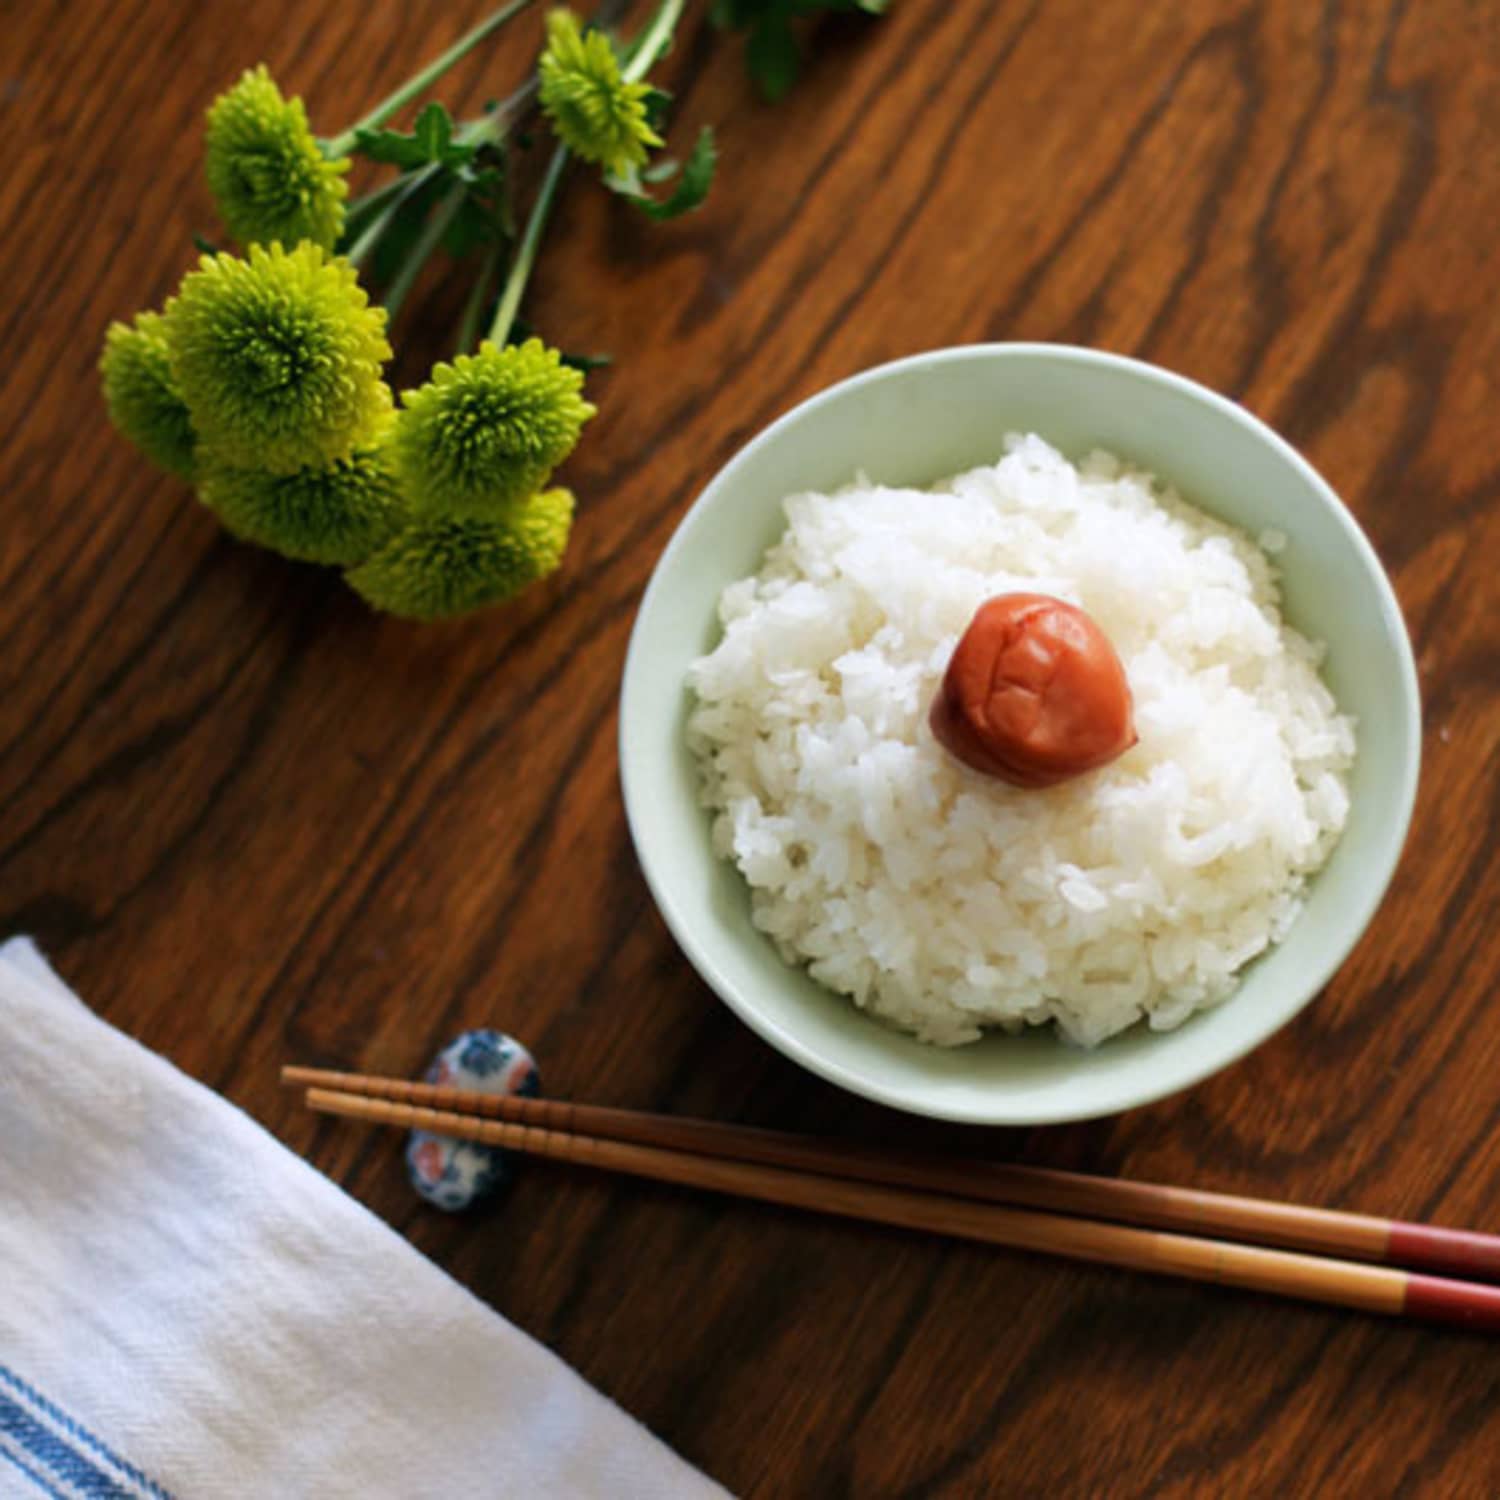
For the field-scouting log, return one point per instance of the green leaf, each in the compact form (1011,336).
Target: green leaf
(430,140)
(661,171)
(476,224)
(772,55)
(484,181)
(485,214)
(389,146)
(733,15)
(203,245)
(433,131)
(771,51)
(657,102)
(692,187)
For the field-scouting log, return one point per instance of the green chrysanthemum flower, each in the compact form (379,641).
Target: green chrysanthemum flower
(594,112)
(337,514)
(488,429)
(438,568)
(278,357)
(266,171)
(143,399)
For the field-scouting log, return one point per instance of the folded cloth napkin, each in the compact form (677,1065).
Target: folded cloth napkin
(188,1309)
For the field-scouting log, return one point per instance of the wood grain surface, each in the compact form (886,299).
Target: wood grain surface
(254,824)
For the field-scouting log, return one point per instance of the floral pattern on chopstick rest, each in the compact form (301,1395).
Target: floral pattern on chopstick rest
(451,1174)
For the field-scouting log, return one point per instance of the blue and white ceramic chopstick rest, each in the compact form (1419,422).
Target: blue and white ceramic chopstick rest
(456,1174)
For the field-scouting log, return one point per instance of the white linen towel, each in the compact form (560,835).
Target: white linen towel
(188,1309)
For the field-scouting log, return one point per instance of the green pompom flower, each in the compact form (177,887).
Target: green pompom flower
(437,568)
(594,112)
(269,177)
(278,357)
(337,514)
(488,429)
(143,399)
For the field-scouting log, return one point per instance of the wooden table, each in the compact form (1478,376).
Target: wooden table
(253,823)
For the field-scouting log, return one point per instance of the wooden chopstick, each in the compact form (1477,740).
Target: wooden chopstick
(1287,1273)
(1418,1247)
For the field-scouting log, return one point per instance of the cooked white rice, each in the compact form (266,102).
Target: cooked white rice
(945,901)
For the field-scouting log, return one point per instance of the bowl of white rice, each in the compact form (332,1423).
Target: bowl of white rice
(935,938)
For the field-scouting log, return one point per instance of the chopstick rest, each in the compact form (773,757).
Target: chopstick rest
(453,1174)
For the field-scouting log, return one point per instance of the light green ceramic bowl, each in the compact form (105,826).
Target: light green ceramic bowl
(917,421)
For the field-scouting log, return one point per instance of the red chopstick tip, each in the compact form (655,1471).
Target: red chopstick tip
(1450,1252)
(1469,1304)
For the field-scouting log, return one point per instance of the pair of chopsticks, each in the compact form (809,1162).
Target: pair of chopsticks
(1388,1266)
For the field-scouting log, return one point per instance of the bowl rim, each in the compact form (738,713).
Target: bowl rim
(1119,1098)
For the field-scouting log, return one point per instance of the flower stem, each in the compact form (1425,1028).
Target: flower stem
(341,145)
(520,269)
(468,325)
(410,184)
(653,41)
(373,199)
(432,231)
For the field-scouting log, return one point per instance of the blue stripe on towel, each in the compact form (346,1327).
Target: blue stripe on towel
(74,1454)
(41,1481)
(57,1455)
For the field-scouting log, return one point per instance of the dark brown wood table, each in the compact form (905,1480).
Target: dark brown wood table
(253,823)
